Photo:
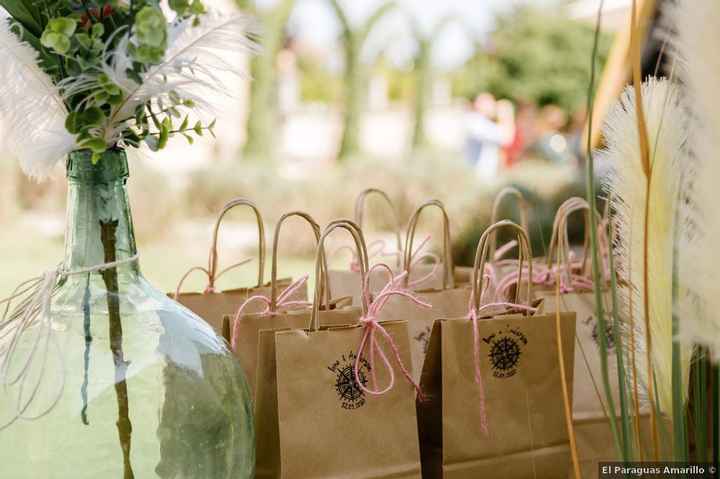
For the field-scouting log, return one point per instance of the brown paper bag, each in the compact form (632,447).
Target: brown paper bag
(590,408)
(266,398)
(213,305)
(347,282)
(246,322)
(283,310)
(446,300)
(504,371)
(318,404)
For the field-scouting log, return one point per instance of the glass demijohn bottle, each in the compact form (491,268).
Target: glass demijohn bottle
(114,379)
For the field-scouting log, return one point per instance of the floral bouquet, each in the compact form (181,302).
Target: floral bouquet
(100,74)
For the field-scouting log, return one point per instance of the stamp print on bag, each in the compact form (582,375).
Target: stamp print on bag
(349,393)
(594,325)
(505,351)
(423,337)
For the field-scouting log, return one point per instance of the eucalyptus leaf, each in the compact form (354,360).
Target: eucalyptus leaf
(64,26)
(93,116)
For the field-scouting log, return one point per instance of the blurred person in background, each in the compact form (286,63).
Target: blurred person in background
(552,144)
(490,126)
(525,133)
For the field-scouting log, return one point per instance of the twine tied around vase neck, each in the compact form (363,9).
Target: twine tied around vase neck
(34,310)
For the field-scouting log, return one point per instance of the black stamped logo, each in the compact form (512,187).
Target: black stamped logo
(423,337)
(594,326)
(505,350)
(349,393)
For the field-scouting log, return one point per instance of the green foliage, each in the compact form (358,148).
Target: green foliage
(150,30)
(317,82)
(74,38)
(355,81)
(535,55)
(263,94)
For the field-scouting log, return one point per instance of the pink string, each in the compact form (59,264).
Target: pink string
(371,324)
(569,278)
(375,249)
(419,255)
(211,280)
(283,301)
(474,315)
(378,248)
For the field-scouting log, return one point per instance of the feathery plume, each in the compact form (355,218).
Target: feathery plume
(695,37)
(666,121)
(31,108)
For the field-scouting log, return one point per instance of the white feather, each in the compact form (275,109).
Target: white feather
(199,62)
(697,28)
(667,127)
(31,108)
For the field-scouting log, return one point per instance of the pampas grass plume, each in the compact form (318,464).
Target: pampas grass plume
(626,183)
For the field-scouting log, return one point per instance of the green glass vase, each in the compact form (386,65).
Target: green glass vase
(119,381)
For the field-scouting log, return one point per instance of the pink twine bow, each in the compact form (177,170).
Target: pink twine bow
(283,301)
(371,325)
(474,315)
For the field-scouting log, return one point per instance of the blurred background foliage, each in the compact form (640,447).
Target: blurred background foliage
(530,55)
(534,55)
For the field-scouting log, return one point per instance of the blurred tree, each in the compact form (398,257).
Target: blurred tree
(317,83)
(534,55)
(423,73)
(262,109)
(355,82)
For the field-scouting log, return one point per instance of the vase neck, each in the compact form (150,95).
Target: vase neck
(99,222)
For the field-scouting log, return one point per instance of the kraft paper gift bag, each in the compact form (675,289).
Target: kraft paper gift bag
(212,305)
(545,268)
(493,380)
(315,419)
(590,408)
(501,266)
(447,300)
(247,321)
(347,282)
(281,310)
(266,392)
(264,327)
(344,407)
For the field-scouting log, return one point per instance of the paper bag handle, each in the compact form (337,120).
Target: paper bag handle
(213,256)
(361,248)
(276,240)
(523,206)
(448,267)
(481,256)
(360,215)
(211,271)
(559,242)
